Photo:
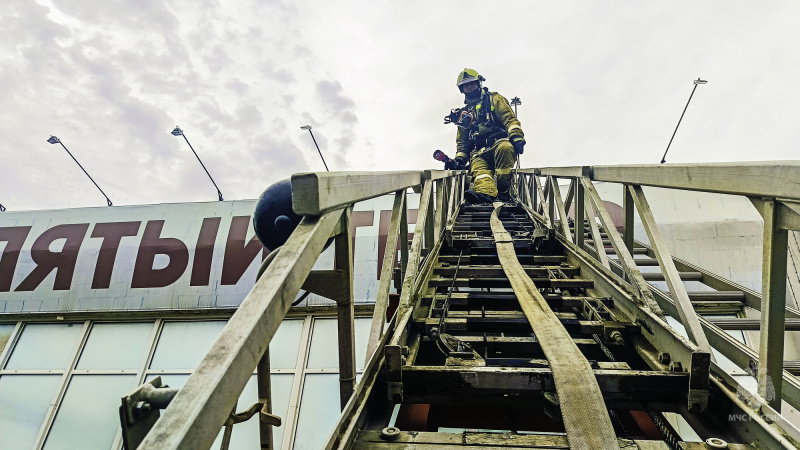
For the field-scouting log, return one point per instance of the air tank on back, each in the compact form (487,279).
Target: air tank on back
(273,219)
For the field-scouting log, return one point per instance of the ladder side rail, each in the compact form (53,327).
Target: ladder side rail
(415,251)
(599,246)
(345,311)
(752,298)
(440,215)
(625,258)
(580,204)
(315,193)
(628,216)
(772,431)
(562,215)
(201,407)
(773,307)
(551,206)
(736,351)
(739,353)
(769,179)
(520,180)
(570,194)
(662,336)
(455,200)
(389,259)
(416,274)
(686,312)
(548,222)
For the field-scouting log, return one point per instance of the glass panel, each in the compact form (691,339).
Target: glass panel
(24,401)
(89,414)
(45,346)
(285,345)
(362,339)
(5,335)
(245,435)
(324,352)
(183,345)
(319,410)
(115,346)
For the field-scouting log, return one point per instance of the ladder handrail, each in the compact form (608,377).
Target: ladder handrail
(773,187)
(200,409)
(768,179)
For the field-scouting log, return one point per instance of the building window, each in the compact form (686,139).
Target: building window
(61,383)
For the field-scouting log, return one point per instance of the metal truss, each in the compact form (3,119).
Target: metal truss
(644,365)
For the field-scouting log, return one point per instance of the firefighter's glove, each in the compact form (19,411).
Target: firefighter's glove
(461,163)
(519,145)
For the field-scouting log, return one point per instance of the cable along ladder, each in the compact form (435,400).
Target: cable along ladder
(514,328)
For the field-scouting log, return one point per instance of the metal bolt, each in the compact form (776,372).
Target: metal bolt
(390,433)
(664,357)
(716,443)
(675,366)
(140,409)
(617,337)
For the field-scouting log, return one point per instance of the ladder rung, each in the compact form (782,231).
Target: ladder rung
(750,324)
(685,276)
(503,282)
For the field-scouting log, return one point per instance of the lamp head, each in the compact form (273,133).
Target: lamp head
(53,140)
(699,81)
(306,127)
(177,131)
(516,101)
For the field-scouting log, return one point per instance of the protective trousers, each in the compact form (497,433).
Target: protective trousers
(500,158)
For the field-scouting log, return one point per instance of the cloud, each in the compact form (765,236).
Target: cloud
(599,84)
(340,106)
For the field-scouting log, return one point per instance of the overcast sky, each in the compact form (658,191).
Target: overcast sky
(600,83)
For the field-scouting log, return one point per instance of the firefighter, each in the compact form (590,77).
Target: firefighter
(489,137)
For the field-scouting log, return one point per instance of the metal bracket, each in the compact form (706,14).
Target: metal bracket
(699,379)
(328,283)
(788,212)
(457,352)
(394,372)
(246,415)
(139,410)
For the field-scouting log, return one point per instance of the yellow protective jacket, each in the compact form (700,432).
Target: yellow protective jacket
(501,114)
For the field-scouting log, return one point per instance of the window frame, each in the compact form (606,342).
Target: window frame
(142,372)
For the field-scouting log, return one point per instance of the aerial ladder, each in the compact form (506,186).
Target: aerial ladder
(518,325)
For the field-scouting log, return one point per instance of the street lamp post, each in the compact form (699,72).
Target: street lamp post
(514,102)
(178,132)
(696,83)
(308,127)
(55,140)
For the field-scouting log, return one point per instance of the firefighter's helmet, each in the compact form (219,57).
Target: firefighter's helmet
(468,76)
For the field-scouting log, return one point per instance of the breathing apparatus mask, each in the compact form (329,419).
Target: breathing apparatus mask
(460,117)
(474,95)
